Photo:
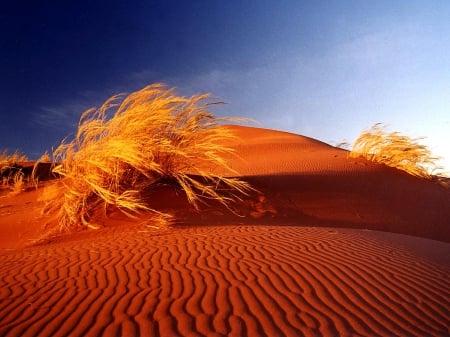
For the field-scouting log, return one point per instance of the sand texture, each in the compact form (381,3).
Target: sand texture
(327,246)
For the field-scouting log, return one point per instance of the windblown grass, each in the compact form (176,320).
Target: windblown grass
(10,160)
(10,168)
(396,150)
(133,142)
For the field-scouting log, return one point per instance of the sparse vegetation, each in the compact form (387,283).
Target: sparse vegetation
(396,150)
(9,160)
(45,158)
(18,182)
(136,141)
(10,168)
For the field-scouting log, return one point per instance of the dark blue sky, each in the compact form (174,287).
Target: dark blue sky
(327,69)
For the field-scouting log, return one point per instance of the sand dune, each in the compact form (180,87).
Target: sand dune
(313,253)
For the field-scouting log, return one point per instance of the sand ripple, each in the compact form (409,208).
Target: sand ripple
(226,280)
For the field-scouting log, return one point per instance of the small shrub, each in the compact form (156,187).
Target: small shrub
(396,150)
(135,141)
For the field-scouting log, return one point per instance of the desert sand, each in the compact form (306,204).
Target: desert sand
(327,246)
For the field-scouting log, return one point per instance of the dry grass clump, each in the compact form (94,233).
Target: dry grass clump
(45,158)
(396,150)
(10,169)
(10,160)
(136,141)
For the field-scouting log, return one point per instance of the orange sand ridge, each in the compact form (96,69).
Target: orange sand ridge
(329,246)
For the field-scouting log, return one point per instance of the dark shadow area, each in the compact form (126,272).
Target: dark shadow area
(43,172)
(391,201)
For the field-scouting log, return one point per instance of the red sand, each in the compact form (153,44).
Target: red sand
(314,253)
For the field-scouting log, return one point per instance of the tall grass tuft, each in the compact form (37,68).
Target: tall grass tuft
(136,141)
(9,160)
(396,150)
(10,168)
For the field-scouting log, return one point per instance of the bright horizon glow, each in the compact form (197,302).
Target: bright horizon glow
(327,71)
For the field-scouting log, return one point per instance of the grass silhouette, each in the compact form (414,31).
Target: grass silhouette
(396,150)
(136,141)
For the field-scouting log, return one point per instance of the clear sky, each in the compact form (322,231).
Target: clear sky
(325,69)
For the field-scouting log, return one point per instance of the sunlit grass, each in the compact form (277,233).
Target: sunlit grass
(9,160)
(135,141)
(396,150)
(10,169)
